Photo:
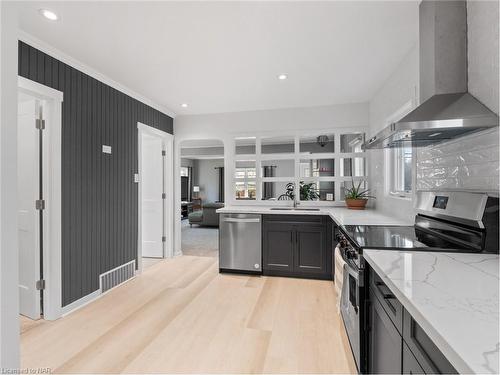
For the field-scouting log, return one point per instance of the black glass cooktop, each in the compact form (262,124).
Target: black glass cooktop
(398,237)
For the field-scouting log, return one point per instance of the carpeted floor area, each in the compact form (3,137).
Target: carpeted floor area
(199,241)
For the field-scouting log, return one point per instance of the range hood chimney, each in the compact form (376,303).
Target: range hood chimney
(447,111)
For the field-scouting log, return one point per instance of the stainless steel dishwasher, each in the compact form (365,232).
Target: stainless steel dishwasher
(240,243)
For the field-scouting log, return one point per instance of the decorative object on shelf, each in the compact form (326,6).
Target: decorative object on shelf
(196,189)
(322,140)
(355,198)
(308,192)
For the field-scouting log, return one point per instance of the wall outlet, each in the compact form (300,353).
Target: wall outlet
(136,178)
(106,149)
(329,196)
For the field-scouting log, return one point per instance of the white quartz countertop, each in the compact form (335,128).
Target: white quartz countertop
(453,297)
(341,215)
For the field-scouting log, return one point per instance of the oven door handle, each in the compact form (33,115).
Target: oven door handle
(358,275)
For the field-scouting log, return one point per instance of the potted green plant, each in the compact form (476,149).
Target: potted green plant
(356,198)
(308,192)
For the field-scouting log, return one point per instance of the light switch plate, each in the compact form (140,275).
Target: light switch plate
(329,196)
(106,149)
(136,178)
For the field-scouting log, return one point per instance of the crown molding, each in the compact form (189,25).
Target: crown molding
(74,63)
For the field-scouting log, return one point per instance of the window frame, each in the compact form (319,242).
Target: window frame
(245,180)
(393,159)
(297,157)
(395,171)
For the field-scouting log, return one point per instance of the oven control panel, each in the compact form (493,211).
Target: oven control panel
(346,249)
(440,201)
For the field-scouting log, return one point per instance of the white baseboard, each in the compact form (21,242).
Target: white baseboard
(85,300)
(78,304)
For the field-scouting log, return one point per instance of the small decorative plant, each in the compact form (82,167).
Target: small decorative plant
(356,198)
(308,192)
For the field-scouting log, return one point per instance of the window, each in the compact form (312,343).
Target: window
(352,167)
(245,190)
(351,143)
(278,168)
(317,168)
(317,144)
(244,180)
(400,171)
(398,161)
(312,167)
(325,168)
(277,145)
(244,146)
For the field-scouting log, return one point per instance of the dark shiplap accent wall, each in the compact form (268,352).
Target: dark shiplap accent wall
(99,196)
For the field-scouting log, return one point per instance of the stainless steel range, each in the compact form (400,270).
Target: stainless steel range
(446,222)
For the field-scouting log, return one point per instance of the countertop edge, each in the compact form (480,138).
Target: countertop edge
(267,211)
(342,217)
(458,363)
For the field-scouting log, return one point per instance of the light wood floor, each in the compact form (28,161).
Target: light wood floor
(182,316)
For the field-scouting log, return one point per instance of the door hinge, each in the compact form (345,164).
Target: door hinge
(164,239)
(163,195)
(163,152)
(40,204)
(40,124)
(40,285)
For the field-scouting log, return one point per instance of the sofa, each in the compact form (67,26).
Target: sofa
(206,216)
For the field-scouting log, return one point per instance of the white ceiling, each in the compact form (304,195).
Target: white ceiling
(225,56)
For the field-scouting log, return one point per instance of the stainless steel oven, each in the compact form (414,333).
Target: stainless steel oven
(351,302)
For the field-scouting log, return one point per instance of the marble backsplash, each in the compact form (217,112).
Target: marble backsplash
(466,163)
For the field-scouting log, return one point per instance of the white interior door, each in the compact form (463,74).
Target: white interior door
(28,153)
(152,190)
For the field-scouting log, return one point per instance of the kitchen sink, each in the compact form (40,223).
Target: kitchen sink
(293,209)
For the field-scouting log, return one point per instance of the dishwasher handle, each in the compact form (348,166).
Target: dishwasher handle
(236,220)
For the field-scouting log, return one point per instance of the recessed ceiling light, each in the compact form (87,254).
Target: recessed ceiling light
(282,77)
(184,105)
(49,14)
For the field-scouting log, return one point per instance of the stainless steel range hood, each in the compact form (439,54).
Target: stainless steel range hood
(448,111)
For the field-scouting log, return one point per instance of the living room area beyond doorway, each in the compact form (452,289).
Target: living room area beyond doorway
(202,193)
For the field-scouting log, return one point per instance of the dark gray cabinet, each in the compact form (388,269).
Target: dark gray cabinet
(298,246)
(384,341)
(310,249)
(425,351)
(396,343)
(389,302)
(410,363)
(278,247)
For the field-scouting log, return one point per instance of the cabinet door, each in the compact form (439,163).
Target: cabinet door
(310,249)
(410,364)
(385,342)
(389,302)
(278,247)
(428,355)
